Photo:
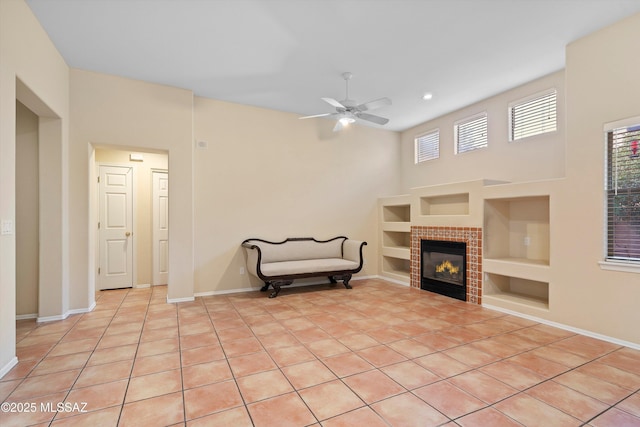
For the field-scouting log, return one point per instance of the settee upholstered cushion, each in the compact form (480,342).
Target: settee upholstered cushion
(307,266)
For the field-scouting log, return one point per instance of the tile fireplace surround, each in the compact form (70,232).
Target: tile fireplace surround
(472,236)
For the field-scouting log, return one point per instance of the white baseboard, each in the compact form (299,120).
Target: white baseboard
(45,319)
(142,286)
(175,300)
(224,292)
(356,278)
(293,285)
(66,314)
(6,368)
(566,327)
(83,310)
(26,316)
(396,281)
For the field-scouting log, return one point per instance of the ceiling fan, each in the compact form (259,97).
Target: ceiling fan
(348,110)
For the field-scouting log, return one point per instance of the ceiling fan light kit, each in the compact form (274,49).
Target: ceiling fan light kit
(348,110)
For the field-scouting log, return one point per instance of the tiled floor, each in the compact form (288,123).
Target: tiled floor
(377,355)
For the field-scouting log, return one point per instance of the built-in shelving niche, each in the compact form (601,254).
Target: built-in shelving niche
(517,229)
(515,220)
(396,213)
(396,239)
(397,266)
(499,289)
(449,204)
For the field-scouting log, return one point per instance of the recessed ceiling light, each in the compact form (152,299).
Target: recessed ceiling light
(427,96)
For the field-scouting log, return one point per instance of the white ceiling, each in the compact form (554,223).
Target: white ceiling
(287,54)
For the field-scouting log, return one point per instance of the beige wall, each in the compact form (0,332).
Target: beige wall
(33,71)
(264,174)
(27,212)
(602,87)
(538,157)
(599,85)
(267,174)
(130,114)
(143,201)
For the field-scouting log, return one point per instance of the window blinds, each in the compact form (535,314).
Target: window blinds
(471,134)
(427,146)
(534,117)
(623,194)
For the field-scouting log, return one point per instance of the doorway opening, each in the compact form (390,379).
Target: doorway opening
(27,224)
(39,225)
(131,244)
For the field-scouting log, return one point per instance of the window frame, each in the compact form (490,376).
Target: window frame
(416,146)
(525,100)
(611,262)
(468,119)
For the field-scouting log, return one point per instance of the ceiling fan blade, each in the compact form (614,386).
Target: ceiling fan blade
(333,102)
(317,115)
(338,126)
(371,118)
(372,105)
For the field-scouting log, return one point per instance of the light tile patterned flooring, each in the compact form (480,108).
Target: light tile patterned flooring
(377,355)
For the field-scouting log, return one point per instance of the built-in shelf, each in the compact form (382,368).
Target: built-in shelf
(449,204)
(500,289)
(515,302)
(517,228)
(396,213)
(396,266)
(519,261)
(518,267)
(404,227)
(402,253)
(395,237)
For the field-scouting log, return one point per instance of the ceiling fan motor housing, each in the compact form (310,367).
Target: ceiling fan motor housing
(349,103)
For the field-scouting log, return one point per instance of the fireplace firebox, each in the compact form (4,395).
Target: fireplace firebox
(443,268)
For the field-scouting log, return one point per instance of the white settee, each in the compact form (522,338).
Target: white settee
(280,263)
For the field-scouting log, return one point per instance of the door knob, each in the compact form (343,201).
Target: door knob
(127,234)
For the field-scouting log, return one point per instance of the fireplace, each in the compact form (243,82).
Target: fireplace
(443,268)
(471,236)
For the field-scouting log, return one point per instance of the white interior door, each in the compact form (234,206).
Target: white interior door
(160,228)
(116,227)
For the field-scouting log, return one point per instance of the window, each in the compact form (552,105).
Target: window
(623,194)
(533,116)
(427,146)
(471,133)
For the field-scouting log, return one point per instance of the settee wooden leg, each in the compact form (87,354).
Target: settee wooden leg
(265,287)
(345,280)
(276,291)
(332,279)
(277,284)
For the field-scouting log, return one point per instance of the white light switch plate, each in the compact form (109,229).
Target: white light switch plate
(7,227)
